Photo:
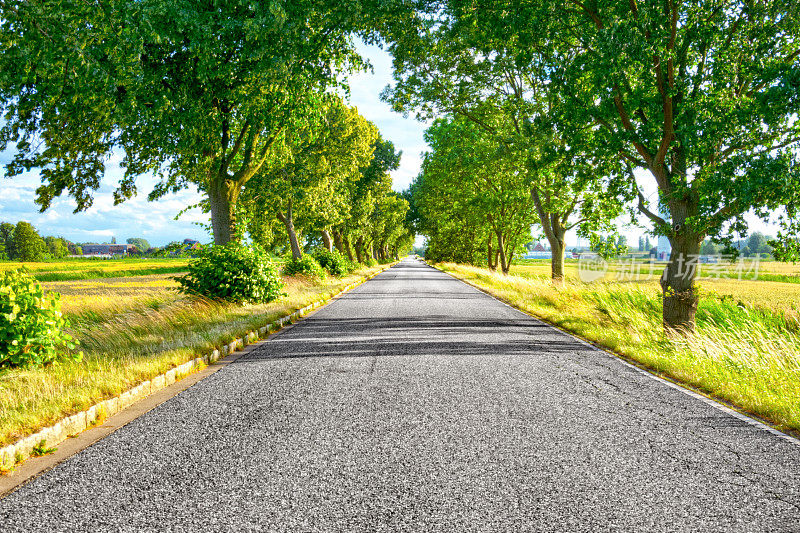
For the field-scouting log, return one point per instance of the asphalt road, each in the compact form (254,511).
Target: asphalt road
(416,403)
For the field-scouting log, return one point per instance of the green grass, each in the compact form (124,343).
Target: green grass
(747,355)
(132,329)
(79,269)
(41,449)
(99,273)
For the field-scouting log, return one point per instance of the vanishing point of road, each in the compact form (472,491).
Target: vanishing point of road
(417,403)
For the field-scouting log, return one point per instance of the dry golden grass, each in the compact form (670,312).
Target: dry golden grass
(774,295)
(131,330)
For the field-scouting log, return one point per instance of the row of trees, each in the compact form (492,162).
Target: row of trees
(21,242)
(234,99)
(471,200)
(598,98)
(328,183)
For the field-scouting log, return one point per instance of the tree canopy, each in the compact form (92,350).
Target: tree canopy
(305,182)
(196,94)
(472,198)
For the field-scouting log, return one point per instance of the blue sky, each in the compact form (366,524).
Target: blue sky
(155,220)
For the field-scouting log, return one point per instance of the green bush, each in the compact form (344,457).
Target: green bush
(305,266)
(370,262)
(31,325)
(233,272)
(334,262)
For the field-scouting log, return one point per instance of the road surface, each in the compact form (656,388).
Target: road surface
(417,403)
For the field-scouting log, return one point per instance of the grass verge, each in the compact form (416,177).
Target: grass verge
(130,338)
(747,356)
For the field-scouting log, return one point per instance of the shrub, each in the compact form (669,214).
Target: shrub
(305,266)
(334,262)
(233,272)
(370,262)
(31,325)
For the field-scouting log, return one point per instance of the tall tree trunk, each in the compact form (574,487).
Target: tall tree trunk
(677,283)
(490,259)
(554,230)
(348,249)
(222,197)
(505,264)
(326,240)
(288,221)
(337,240)
(510,245)
(359,249)
(557,247)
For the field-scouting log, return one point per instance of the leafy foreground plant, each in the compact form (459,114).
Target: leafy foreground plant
(31,324)
(233,272)
(333,261)
(305,266)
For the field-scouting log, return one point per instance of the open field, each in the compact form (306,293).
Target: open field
(747,269)
(77,269)
(780,296)
(131,329)
(746,349)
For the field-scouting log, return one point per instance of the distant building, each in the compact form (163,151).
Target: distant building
(107,249)
(190,242)
(538,248)
(539,255)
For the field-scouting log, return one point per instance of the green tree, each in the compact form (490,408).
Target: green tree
(196,94)
(701,95)
(758,243)
(56,247)
(362,196)
(28,245)
(709,248)
(471,180)
(7,239)
(140,243)
(304,185)
(454,61)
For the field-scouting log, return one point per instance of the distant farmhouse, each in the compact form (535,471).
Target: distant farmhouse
(108,249)
(539,252)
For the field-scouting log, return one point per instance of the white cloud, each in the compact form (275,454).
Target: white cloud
(135,218)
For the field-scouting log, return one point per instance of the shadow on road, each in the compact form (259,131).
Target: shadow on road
(331,337)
